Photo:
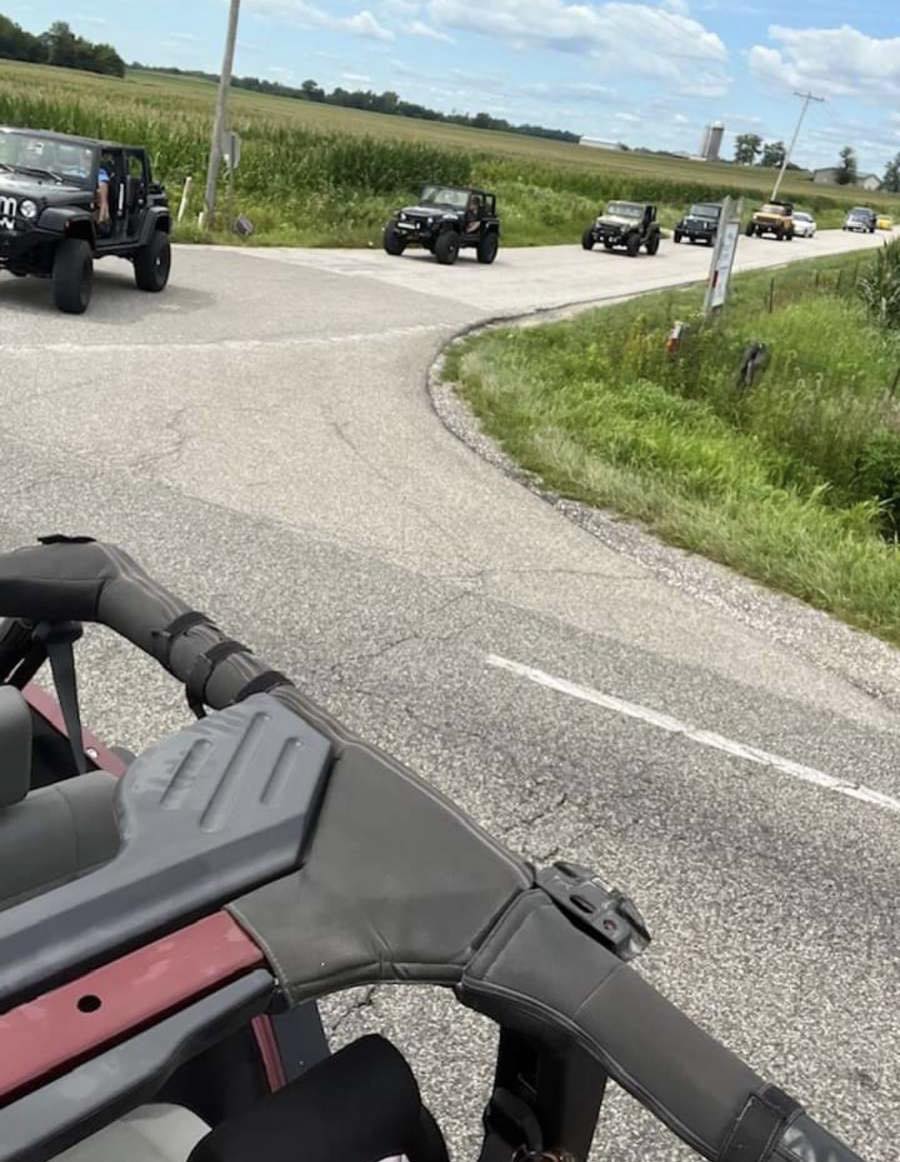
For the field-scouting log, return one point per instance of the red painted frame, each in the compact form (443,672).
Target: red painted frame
(72,1022)
(47,707)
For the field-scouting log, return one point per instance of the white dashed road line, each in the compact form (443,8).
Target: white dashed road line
(704,737)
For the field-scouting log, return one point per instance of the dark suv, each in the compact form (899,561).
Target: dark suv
(444,221)
(49,219)
(700,223)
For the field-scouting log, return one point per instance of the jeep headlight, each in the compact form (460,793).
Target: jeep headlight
(431,221)
(402,217)
(28,209)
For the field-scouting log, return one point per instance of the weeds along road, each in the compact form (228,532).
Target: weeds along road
(261,437)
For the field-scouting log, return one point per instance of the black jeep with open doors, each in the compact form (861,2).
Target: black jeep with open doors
(445,220)
(51,223)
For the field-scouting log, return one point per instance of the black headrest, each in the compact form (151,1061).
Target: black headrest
(15,747)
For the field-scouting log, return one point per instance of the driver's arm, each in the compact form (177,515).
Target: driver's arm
(103,196)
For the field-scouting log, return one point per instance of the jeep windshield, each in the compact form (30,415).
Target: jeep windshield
(448,196)
(774,208)
(705,211)
(624,210)
(47,157)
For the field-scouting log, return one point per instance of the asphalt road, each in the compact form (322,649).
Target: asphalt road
(261,437)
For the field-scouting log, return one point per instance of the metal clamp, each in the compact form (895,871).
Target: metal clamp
(608,914)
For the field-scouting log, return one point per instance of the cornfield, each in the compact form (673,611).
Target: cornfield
(317,175)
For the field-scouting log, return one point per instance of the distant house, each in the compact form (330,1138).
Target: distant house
(596,143)
(829,176)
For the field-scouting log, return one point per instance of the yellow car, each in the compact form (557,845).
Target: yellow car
(884,222)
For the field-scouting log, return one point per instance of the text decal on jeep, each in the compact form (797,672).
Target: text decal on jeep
(8,210)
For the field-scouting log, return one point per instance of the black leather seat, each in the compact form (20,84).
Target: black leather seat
(54,834)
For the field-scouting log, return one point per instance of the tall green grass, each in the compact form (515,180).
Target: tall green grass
(309,176)
(795,481)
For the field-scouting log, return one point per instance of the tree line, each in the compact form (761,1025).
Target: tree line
(387,102)
(58,46)
(750,146)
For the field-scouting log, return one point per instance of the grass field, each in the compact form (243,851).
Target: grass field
(318,175)
(794,481)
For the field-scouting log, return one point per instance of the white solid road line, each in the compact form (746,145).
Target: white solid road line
(704,737)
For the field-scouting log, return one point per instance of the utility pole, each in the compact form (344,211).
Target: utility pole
(806,98)
(215,150)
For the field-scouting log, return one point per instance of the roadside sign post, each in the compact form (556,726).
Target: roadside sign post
(723,256)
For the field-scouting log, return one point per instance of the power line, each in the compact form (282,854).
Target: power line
(806,98)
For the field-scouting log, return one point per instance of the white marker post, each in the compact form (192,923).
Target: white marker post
(723,256)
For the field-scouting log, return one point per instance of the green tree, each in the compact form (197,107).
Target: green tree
(312,91)
(892,176)
(746,147)
(847,170)
(773,154)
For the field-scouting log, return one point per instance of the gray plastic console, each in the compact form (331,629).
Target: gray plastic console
(205,815)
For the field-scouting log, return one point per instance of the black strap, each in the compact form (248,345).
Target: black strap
(166,637)
(202,671)
(760,1126)
(57,640)
(63,539)
(262,684)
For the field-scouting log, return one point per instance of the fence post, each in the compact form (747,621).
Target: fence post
(772,295)
(185,197)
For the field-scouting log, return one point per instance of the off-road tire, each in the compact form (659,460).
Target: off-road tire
(153,262)
(73,276)
(487,248)
(446,249)
(751,230)
(652,244)
(676,237)
(633,245)
(587,240)
(393,243)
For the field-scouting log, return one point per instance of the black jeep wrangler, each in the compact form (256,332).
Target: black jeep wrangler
(443,221)
(700,223)
(627,225)
(50,212)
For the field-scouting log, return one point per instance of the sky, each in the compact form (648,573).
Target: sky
(649,74)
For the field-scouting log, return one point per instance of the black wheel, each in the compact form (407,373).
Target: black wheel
(153,262)
(587,239)
(749,230)
(446,249)
(676,237)
(73,276)
(652,244)
(487,248)
(789,237)
(393,243)
(633,245)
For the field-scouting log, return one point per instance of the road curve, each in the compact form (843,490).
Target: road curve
(261,437)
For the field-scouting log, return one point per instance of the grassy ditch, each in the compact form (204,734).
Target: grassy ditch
(312,174)
(794,480)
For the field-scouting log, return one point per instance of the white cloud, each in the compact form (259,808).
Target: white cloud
(420,28)
(364,24)
(306,15)
(356,78)
(636,38)
(833,62)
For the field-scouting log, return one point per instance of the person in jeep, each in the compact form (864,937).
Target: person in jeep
(102,203)
(473,214)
